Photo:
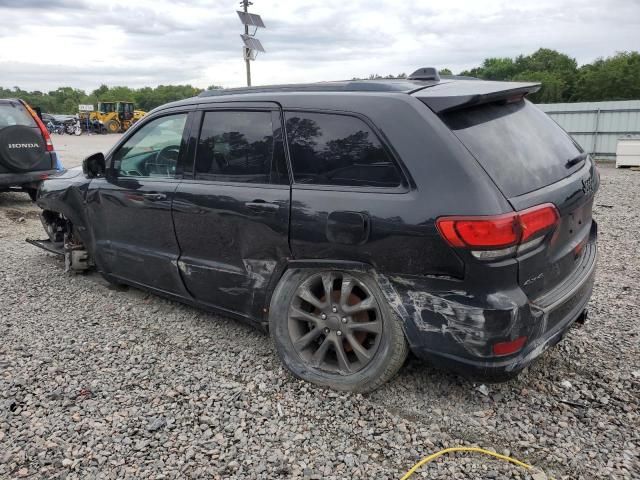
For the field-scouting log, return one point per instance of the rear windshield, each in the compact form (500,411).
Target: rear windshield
(14,113)
(518,145)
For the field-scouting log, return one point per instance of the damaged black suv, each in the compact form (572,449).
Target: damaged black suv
(26,152)
(356,221)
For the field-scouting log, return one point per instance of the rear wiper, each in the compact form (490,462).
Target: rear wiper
(576,160)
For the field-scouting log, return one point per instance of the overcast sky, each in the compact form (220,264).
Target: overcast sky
(49,43)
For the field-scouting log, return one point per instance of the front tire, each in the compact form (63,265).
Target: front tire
(113,126)
(335,329)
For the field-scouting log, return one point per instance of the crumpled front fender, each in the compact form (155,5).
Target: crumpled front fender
(65,194)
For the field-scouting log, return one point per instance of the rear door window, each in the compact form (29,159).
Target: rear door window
(235,146)
(332,149)
(518,145)
(14,113)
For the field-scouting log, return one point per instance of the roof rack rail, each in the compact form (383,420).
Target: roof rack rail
(425,73)
(384,85)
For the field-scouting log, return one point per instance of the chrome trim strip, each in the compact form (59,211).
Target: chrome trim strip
(577,287)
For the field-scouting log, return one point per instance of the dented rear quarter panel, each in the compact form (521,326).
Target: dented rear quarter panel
(456,323)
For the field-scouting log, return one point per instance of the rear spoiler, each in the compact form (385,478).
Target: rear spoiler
(463,93)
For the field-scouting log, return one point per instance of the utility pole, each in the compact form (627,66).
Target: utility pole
(247,51)
(251,44)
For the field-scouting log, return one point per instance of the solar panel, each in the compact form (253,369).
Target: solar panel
(251,19)
(252,43)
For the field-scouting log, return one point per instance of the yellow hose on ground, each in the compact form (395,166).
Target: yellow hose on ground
(428,459)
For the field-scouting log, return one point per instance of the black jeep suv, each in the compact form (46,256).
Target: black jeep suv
(26,152)
(354,220)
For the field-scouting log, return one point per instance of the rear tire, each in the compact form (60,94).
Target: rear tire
(32,192)
(352,342)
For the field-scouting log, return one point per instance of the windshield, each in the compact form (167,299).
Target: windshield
(518,145)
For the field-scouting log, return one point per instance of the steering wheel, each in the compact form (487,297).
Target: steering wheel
(164,162)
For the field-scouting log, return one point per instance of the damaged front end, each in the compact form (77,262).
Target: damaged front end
(63,240)
(62,200)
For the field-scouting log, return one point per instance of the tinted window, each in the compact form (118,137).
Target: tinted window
(13,113)
(235,147)
(153,150)
(338,150)
(520,147)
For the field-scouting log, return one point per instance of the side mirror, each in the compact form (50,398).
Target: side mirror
(94,166)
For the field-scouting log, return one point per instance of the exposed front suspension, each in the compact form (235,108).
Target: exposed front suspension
(63,240)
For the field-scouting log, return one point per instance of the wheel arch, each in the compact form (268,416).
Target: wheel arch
(391,347)
(70,203)
(282,273)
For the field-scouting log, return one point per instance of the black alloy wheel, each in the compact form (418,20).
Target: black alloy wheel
(336,329)
(335,322)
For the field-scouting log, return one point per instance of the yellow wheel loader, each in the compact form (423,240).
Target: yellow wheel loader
(117,116)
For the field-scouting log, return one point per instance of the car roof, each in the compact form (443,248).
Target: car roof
(270,92)
(456,87)
(386,85)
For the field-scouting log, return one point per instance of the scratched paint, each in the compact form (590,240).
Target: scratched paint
(259,271)
(466,324)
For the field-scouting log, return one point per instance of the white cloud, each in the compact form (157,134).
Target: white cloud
(46,44)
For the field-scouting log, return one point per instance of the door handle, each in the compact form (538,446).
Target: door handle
(262,206)
(154,197)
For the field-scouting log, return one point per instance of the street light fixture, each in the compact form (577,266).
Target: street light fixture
(251,44)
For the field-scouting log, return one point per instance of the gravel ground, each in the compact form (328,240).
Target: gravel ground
(98,383)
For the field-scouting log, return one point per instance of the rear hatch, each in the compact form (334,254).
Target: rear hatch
(23,146)
(533,162)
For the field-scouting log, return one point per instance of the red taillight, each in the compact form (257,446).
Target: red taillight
(507,348)
(538,219)
(499,231)
(45,133)
(480,232)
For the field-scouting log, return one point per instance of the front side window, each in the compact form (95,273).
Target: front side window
(153,150)
(328,149)
(235,147)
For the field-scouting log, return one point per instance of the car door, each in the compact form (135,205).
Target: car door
(349,194)
(231,214)
(130,209)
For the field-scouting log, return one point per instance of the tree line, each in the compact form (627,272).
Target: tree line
(66,99)
(612,78)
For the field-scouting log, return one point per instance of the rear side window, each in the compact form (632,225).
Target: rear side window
(14,113)
(518,145)
(328,149)
(235,147)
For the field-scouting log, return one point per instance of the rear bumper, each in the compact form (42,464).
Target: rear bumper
(457,329)
(504,369)
(30,179)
